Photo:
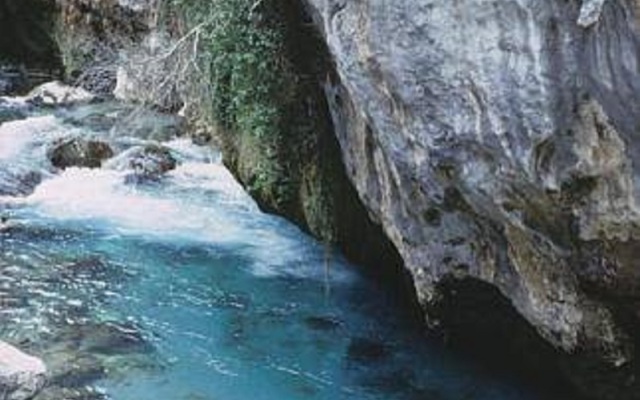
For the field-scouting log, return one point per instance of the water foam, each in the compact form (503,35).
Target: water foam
(18,137)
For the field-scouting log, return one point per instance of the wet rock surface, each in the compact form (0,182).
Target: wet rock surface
(21,376)
(56,93)
(496,141)
(146,163)
(78,152)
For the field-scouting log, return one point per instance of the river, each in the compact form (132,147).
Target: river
(181,288)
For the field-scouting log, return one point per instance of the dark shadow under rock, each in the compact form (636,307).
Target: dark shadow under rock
(482,324)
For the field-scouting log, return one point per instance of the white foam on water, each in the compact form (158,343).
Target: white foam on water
(17,136)
(215,210)
(86,194)
(199,201)
(187,150)
(212,178)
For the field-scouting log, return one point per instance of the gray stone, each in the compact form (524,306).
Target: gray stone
(21,376)
(79,152)
(494,140)
(590,12)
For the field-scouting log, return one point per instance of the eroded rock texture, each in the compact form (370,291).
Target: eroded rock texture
(495,141)
(92,33)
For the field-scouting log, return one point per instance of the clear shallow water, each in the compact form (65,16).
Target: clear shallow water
(183,289)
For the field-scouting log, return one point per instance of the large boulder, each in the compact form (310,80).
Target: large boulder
(78,152)
(21,376)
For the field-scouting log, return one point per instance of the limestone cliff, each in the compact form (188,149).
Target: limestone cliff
(495,141)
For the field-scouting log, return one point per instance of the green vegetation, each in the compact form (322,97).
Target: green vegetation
(264,64)
(241,48)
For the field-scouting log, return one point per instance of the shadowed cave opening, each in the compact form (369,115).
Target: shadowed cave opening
(480,323)
(29,54)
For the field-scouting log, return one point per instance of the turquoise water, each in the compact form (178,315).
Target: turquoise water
(183,289)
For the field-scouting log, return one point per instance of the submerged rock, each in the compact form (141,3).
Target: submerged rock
(72,373)
(90,267)
(21,376)
(63,393)
(111,338)
(78,152)
(323,323)
(77,372)
(364,350)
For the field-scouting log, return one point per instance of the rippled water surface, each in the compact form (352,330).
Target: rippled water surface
(183,289)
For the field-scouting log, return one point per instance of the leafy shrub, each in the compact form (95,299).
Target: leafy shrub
(240,46)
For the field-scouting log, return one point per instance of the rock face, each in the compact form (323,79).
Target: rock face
(94,34)
(78,152)
(21,376)
(494,140)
